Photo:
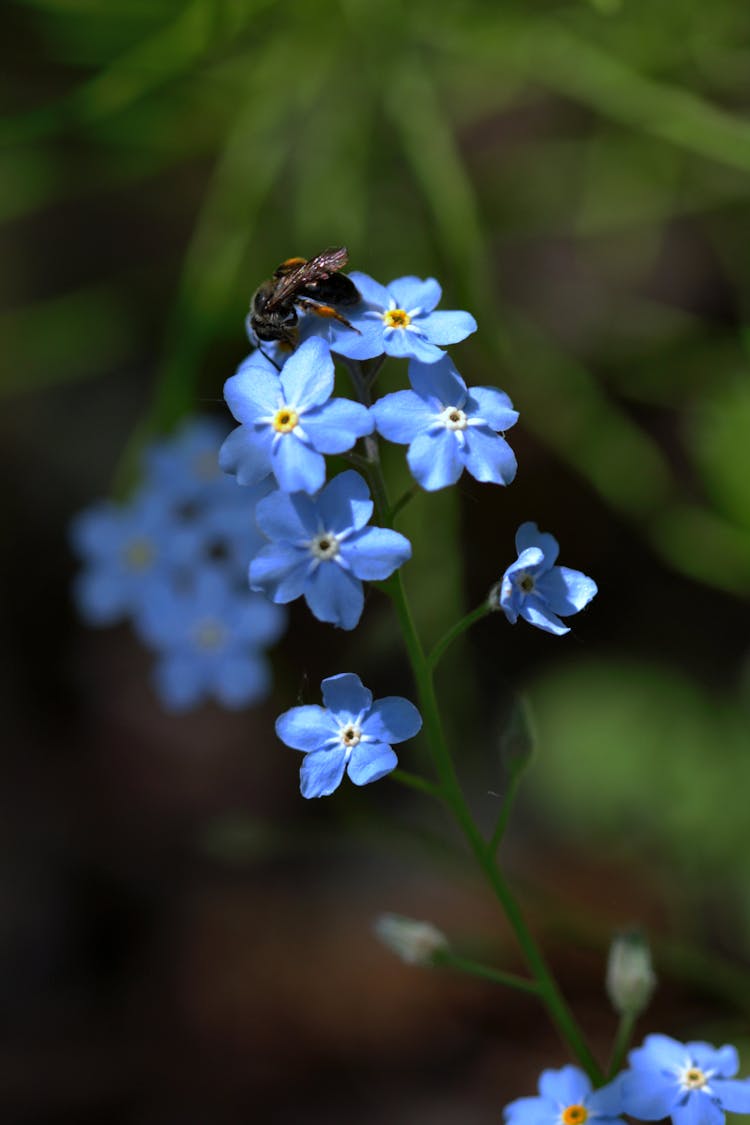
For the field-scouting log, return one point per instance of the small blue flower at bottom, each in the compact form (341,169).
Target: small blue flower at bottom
(351,733)
(537,590)
(691,1082)
(567,1098)
(321,549)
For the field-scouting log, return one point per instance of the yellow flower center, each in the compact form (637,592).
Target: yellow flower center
(139,554)
(396,318)
(574,1115)
(694,1078)
(209,634)
(285,419)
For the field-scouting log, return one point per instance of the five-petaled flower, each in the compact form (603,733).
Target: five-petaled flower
(321,549)
(537,590)
(350,733)
(398,320)
(449,427)
(288,419)
(566,1098)
(691,1082)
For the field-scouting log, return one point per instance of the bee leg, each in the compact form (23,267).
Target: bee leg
(325,311)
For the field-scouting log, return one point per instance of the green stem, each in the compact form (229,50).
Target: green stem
(622,1042)
(414,781)
(454,632)
(402,501)
(446,958)
(505,809)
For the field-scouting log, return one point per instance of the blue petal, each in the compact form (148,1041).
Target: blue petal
(392,719)
(364,343)
(322,772)
(493,406)
(279,572)
(400,416)
(435,460)
(370,762)
(566,591)
(607,1101)
(306,728)
(307,377)
(415,293)
(334,595)
(566,1086)
(335,427)
(439,382)
(371,291)
(403,344)
(733,1093)
(648,1094)
(257,621)
(296,467)
(447,327)
(97,530)
(725,1060)
(346,696)
(246,454)
(529,535)
(374,553)
(536,613)
(345,503)
(179,682)
(488,457)
(531,1111)
(293,518)
(241,680)
(100,597)
(698,1109)
(253,394)
(660,1051)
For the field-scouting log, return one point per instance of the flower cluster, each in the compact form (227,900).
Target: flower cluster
(173,562)
(693,1083)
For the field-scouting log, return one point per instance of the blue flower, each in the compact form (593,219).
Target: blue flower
(350,733)
(448,427)
(210,637)
(566,1098)
(289,420)
(691,1082)
(537,590)
(321,549)
(125,549)
(398,319)
(184,467)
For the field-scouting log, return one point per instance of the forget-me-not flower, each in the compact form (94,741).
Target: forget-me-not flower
(349,733)
(537,590)
(398,320)
(448,426)
(289,420)
(210,637)
(566,1098)
(693,1083)
(321,548)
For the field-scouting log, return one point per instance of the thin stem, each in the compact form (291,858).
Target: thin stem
(414,781)
(505,809)
(454,632)
(622,1041)
(402,501)
(450,960)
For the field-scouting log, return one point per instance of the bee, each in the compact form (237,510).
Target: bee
(314,285)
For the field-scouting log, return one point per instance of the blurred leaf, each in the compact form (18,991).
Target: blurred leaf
(720,442)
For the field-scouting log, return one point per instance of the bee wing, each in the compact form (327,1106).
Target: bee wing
(315,269)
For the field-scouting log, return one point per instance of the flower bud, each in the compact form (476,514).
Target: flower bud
(414,942)
(630,977)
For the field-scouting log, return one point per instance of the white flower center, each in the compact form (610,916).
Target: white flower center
(693,1078)
(324,546)
(350,735)
(453,418)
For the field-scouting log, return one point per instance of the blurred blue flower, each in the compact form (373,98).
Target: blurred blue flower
(566,1098)
(398,319)
(321,549)
(125,549)
(289,420)
(691,1082)
(350,733)
(537,590)
(448,427)
(184,466)
(210,638)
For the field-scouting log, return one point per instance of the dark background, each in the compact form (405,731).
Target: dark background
(184,939)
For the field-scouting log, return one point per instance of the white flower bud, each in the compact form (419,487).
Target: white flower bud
(630,977)
(414,942)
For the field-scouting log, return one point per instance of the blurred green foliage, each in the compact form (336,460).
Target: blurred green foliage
(455,139)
